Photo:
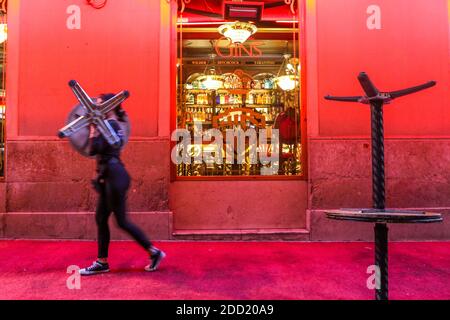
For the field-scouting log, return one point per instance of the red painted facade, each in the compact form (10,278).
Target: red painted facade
(410,48)
(130,44)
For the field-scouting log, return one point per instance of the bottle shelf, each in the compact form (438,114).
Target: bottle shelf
(226,106)
(202,122)
(198,105)
(231,105)
(220,105)
(198,90)
(263,106)
(271,122)
(205,103)
(239,91)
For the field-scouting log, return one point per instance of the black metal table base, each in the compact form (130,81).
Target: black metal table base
(378,214)
(381,261)
(381,218)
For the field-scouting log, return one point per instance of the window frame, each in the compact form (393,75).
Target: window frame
(301,47)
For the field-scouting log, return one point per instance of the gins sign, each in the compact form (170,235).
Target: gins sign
(226,49)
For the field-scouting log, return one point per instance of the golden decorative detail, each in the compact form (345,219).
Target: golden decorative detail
(3,6)
(214,30)
(239,116)
(97,4)
(183,5)
(292,4)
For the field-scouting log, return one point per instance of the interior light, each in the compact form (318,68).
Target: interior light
(3,32)
(238,32)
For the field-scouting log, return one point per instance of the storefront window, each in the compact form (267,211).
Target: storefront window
(3,38)
(252,84)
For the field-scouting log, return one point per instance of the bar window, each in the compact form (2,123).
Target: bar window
(239,75)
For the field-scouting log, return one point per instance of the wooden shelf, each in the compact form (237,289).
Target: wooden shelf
(202,122)
(263,106)
(262,90)
(198,90)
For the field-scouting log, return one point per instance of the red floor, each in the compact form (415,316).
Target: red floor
(212,270)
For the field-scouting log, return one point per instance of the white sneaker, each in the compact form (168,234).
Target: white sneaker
(95,268)
(155,261)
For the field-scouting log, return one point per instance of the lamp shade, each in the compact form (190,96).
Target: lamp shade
(287,82)
(3,32)
(238,32)
(211,81)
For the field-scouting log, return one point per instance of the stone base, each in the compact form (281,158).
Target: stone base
(243,235)
(78,225)
(239,205)
(158,225)
(324,229)
(2,198)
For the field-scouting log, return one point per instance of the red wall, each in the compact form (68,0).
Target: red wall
(120,47)
(116,48)
(411,48)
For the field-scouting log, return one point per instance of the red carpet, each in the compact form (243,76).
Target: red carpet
(211,270)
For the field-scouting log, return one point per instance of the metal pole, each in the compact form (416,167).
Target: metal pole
(377,100)
(381,261)
(378,183)
(379,199)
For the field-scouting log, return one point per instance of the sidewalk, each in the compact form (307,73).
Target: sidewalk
(224,270)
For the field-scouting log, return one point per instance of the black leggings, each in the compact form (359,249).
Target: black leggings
(112,198)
